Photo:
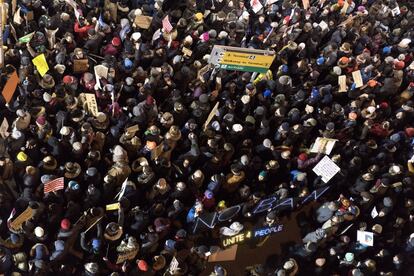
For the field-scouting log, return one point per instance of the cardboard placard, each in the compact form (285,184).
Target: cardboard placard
(202,71)
(143,22)
(342,83)
(41,64)
(211,115)
(132,129)
(91,103)
(305,4)
(326,168)
(3,129)
(129,255)
(113,206)
(18,222)
(80,65)
(356,75)
(345,7)
(224,255)
(365,238)
(323,145)
(187,52)
(156,152)
(10,87)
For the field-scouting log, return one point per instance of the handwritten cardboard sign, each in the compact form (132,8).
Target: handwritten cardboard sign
(18,222)
(41,64)
(356,75)
(113,206)
(129,255)
(342,83)
(10,87)
(305,4)
(80,65)
(211,115)
(91,103)
(143,22)
(345,7)
(132,129)
(3,128)
(187,52)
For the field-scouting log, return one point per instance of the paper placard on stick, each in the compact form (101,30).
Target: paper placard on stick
(187,52)
(166,24)
(211,116)
(374,212)
(113,206)
(342,83)
(26,38)
(41,64)
(365,238)
(256,5)
(143,22)
(101,71)
(326,168)
(132,129)
(323,25)
(91,103)
(10,87)
(323,145)
(3,129)
(18,222)
(305,4)
(356,75)
(80,65)
(396,11)
(129,255)
(228,254)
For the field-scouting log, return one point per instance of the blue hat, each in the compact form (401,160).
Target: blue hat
(267,93)
(14,238)
(128,63)
(96,244)
(73,185)
(320,61)
(386,49)
(284,68)
(208,194)
(170,244)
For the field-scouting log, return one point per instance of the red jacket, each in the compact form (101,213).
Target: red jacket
(82,31)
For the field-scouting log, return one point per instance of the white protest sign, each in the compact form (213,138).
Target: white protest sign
(323,145)
(374,212)
(365,238)
(396,11)
(256,5)
(326,168)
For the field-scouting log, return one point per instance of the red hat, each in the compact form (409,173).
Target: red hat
(41,120)
(303,156)
(150,100)
(409,131)
(116,41)
(65,224)
(142,265)
(68,79)
(399,65)
(384,105)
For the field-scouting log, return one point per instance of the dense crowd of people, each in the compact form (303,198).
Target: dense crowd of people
(141,167)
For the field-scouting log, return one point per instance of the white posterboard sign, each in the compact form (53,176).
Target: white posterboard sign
(365,238)
(326,168)
(374,212)
(323,145)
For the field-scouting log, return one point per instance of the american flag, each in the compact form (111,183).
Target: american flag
(166,25)
(54,185)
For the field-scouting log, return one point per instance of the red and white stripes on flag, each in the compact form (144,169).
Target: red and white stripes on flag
(166,25)
(54,185)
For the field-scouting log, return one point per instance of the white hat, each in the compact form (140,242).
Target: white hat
(267,143)
(337,70)
(16,134)
(101,117)
(77,146)
(237,127)
(64,131)
(188,40)
(47,97)
(136,36)
(288,265)
(39,232)
(222,34)
(404,43)
(20,112)
(129,81)
(245,99)
(138,12)
(371,109)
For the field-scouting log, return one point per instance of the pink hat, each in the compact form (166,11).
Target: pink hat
(205,37)
(41,120)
